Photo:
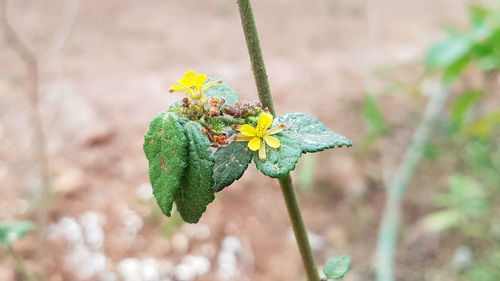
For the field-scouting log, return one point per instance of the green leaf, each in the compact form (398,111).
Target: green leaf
(448,52)
(310,133)
(11,231)
(337,267)
(452,72)
(466,195)
(197,190)
(165,146)
(231,161)
(222,91)
(281,161)
(374,118)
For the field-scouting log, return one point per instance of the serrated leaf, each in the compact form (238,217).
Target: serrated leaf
(312,135)
(337,267)
(11,231)
(281,161)
(197,190)
(165,146)
(231,161)
(223,90)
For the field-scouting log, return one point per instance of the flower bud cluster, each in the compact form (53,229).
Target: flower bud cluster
(242,109)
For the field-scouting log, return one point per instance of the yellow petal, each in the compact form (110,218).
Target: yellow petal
(255,144)
(262,152)
(243,138)
(178,89)
(275,130)
(272,141)
(265,121)
(248,130)
(210,84)
(186,82)
(199,79)
(189,73)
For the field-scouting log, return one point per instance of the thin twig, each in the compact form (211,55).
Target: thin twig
(265,97)
(388,231)
(28,57)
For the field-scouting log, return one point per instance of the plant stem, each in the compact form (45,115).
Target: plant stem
(396,189)
(21,267)
(256,58)
(265,97)
(298,228)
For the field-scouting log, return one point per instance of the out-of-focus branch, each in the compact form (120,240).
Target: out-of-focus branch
(70,18)
(388,231)
(29,59)
(21,267)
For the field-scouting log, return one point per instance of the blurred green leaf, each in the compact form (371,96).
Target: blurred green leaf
(461,108)
(490,62)
(442,220)
(373,117)
(483,127)
(449,53)
(484,271)
(11,231)
(483,159)
(173,224)
(478,14)
(431,151)
(465,195)
(337,267)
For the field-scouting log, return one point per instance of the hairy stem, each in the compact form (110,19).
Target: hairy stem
(265,97)
(256,58)
(396,189)
(298,228)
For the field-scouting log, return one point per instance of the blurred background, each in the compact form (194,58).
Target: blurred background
(75,105)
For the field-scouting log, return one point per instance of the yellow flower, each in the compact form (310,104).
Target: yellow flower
(193,85)
(261,135)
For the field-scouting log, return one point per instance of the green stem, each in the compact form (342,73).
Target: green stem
(265,97)
(397,188)
(21,267)
(256,58)
(299,228)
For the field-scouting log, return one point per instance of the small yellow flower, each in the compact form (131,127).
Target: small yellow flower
(193,85)
(261,135)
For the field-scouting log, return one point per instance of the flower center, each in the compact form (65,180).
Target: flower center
(260,132)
